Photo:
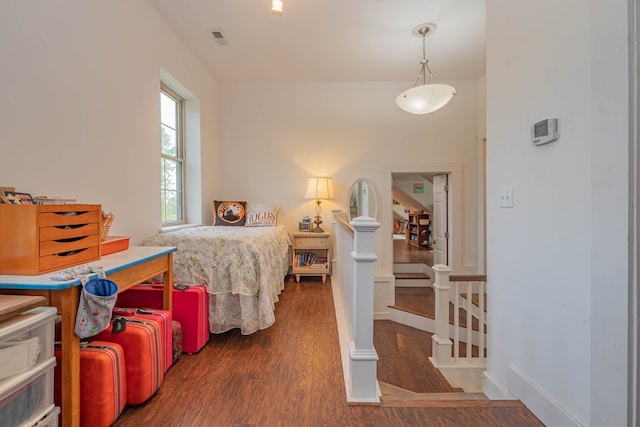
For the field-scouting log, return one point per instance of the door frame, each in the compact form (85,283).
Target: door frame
(633,365)
(454,170)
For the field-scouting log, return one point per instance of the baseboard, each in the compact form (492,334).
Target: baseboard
(493,390)
(413,320)
(467,376)
(549,411)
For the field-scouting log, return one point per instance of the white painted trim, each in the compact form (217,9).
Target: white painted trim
(549,411)
(343,336)
(409,267)
(415,267)
(463,374)
(493,390)
(413,320)
(412,283)
(429,325)
(383,292)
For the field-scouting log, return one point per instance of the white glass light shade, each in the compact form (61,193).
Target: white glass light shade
(320,188)
(426,98)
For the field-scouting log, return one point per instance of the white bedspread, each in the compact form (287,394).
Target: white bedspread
(242,267)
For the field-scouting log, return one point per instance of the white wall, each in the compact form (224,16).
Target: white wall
(557,261)
(405,183)
(275,136)
(80,112)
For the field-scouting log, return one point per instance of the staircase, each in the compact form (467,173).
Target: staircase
(459,352)
(412,274)
(394,396)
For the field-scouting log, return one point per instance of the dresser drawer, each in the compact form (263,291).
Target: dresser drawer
(54,247)
(68,232)
(68,259)
(66,217)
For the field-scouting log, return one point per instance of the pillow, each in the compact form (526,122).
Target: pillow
(229,213)
(262,215)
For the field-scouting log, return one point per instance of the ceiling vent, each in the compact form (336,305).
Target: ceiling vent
(219,37)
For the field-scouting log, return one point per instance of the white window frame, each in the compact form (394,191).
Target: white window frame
(181,156)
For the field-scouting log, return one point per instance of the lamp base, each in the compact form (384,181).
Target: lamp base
(317,228)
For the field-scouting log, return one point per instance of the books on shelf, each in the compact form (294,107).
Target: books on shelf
(317,265)
(310,259)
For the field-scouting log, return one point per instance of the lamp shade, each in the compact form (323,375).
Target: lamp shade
(425,98)
(320,188)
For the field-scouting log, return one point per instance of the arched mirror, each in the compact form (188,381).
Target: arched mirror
(363,200)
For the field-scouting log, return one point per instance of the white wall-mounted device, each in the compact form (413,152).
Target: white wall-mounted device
(544,131)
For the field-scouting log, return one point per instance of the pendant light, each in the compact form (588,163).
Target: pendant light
(425,97)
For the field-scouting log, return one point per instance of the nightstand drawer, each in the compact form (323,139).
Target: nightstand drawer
(311,242)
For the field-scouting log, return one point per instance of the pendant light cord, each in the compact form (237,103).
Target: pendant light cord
(424,64)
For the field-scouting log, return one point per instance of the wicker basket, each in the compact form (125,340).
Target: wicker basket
(107,219)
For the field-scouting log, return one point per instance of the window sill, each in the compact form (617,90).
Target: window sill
(178,227)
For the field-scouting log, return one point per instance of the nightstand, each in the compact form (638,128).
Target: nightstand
(311,254)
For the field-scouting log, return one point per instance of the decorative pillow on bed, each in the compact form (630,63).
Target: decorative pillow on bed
(229,213)
(262,215)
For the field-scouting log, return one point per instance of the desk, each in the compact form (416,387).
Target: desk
(127,268)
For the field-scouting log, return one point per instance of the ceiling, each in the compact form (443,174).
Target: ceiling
(331,40)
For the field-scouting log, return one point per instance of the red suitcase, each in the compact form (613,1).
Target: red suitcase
(176,339)
(162,316)
(190,308)
(144,351)
(103,385)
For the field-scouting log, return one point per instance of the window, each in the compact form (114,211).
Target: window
(172,157)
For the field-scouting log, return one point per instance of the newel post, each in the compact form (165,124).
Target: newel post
(362,355)
(440,340)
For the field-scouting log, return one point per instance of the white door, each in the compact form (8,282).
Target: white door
(440,220)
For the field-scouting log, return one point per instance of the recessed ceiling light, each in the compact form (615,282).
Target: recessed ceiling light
(277,7)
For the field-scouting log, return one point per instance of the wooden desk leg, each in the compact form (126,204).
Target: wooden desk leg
(66,301)
(167,300)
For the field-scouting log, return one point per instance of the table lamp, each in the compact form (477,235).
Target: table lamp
(319,188)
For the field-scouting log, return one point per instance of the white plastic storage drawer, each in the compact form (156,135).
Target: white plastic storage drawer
(26,340)
(49,420)
(26,397)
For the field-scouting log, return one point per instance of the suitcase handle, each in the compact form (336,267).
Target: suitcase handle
(121,311)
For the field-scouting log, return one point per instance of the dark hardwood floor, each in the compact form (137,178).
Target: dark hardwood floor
(401,350)
(291,375)
(404,252)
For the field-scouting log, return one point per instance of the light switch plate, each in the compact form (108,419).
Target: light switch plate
(506,197)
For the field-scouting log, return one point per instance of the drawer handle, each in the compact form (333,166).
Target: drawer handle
(71,213)
(69,227)
(70,239)
(69,253)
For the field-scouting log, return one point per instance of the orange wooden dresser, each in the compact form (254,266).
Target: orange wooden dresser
(38,239)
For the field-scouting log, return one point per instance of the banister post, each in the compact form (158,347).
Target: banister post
(362,355)
(441,343)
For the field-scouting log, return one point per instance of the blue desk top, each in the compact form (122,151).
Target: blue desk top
(110,264)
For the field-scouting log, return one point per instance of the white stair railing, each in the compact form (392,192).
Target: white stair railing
(352,282)
(460,371)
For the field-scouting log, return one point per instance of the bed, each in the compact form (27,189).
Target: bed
(243,269)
